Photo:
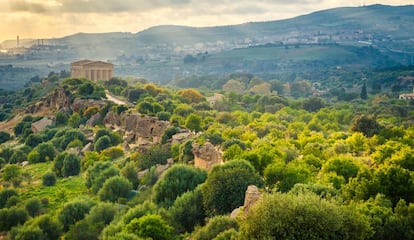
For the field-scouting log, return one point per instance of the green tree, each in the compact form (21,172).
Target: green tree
(303,216)
(33,140)
(5,194)
(74,120)
(150,226)
(71,165)
(226,185)
(176,181)
(215,226)
(49,179)
(102,143)
(313,104)
(155,155)
(46,152)
(364,94)
(33,207)
(74,211)
(11,171)
(98,173)
(187,211)
(4,137)
(193,122)
(11,217)
(61,118)
(366,125)
(115,188)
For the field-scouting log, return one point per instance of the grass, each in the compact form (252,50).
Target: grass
(65,189)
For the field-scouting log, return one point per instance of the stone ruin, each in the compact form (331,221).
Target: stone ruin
(251,197)
(140,131)
(206,156)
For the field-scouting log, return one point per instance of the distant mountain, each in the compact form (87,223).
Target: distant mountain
(383,25)
(367,37)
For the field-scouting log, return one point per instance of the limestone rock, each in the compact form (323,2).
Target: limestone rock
(252,196)
(206,156)
(94,120)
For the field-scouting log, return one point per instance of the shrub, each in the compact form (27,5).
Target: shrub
(115,188)
(49,179)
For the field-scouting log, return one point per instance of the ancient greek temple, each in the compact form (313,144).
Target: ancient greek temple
(93,70)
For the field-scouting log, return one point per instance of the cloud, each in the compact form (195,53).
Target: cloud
(27,6)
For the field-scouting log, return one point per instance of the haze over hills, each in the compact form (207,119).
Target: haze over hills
(386,30)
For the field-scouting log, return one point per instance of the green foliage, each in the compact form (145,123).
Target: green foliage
(130,173)
(215,226)
(233,152)
(74,211)
(11,171)
(33,207)
(176,181)
(49,179)
(102,143)
(187,211)
(98,173)
(303,216)
(91,226)
(112,153)
(11,217)
(313,104)
(4,137)
(61,118)
(114,189)
(344,166)
(74,120)
(71,165)
(226,185)
(366,125)
(150,226)
(5,194)
(155,155)
(18,156)
(46,152)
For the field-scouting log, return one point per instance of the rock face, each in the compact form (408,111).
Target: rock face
(82,104)
(139,129)
(252,196)
(206,156)
(59,100)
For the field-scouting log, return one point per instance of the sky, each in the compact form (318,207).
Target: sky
(41,19)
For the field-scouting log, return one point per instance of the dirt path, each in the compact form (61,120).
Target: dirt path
(115,99)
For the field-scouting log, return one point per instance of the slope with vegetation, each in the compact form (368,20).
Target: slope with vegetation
(328,167)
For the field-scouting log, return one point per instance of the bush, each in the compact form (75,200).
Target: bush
(214,227)
(115,188)
(176,181)
(226,185)
(102,143)
(74,211)
(49,179)
(150,226)
(4,137)
(12,217)
(5,194)
(98,173)
(71,165)
(46,152)
(303,216)
(187,211)
(33,207)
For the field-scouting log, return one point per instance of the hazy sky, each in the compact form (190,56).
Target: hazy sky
(57,18)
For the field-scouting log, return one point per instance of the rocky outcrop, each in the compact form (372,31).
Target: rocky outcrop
(141,131)
(251,197)
(82,104)
(206,156)
(59,100)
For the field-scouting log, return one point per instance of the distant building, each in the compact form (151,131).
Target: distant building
(407,96)
(92,70)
